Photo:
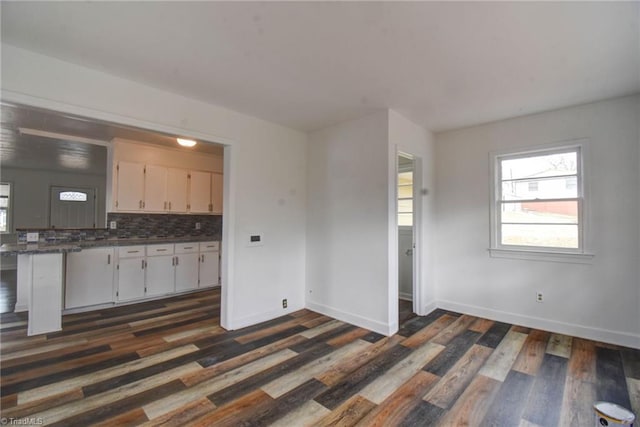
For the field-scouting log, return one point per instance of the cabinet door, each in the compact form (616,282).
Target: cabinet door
(186,271)
(216,192)
(89,277)
(209,269)
(155,189)
(160,275)
(130,278)
(200,192)
(177,189)
(130,187)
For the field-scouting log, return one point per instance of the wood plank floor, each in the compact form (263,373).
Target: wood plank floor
(169,363)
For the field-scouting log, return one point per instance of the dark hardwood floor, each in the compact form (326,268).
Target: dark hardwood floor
(169,363)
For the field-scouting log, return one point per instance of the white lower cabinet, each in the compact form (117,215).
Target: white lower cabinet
(138,272)
(187,258)
(209,264)
(131,269)
(89,277)
(160,278)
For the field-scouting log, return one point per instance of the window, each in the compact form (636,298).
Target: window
(405,198)
(73,196)
(538,200)
(5,207)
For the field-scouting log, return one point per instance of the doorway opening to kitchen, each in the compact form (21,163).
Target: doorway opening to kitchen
(407,225)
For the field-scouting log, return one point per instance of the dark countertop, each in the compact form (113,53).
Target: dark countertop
(9,249)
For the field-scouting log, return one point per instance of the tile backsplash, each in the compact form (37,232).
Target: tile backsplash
(136,225)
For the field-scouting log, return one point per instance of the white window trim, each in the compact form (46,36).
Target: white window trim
(9,208)
(580,255)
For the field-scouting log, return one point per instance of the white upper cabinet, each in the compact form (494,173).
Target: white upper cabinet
(130,186)
(177,188)
(200,192)
(216,193)
(155,189)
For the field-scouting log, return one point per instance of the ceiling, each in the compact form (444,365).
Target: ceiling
(307,65)
(22,150)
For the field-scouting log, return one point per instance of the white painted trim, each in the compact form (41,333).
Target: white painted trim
(577,258)
(363,322)
(392,236)
(596,334)
(254,319)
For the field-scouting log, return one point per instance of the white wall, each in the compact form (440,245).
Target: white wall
(265,178)
(408,137)
(597,300)
(347,222)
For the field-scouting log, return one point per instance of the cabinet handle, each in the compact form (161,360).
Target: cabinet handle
(140,204)
(143,204)
(177,261)
(173,261)
(169,205)
(108,258)
(202,258)
(143,264)
(165,206)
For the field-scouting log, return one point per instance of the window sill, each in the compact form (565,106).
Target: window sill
(568,257)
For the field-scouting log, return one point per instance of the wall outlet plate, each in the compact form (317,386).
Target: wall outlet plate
(284,303)
(112,225)
(197,226)
(33,237)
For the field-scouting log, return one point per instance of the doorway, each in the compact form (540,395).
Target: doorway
(72,207)
(406,233)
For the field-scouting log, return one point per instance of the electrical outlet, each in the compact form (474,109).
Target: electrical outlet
(33,237)
(539,297)
(197,226)
(284,303)
(112,225)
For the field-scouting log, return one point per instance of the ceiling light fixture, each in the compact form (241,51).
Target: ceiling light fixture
(61,136)
(186,142)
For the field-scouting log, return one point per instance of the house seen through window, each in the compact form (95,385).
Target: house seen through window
(539,200)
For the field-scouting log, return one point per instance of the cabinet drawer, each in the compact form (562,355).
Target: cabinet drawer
(154,250)
(131,251)
(186,248)
(209,246)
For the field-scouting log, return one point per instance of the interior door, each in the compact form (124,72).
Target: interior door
(72,207)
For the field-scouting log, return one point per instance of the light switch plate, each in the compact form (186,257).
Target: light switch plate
(32,237)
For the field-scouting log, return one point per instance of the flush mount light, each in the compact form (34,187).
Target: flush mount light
(186,142)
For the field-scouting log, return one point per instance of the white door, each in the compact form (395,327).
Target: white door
(89,277)
(130,278)
(200,192)
(72,207)
(209,269)
(155,188)
(177,189)
(186,271)
(216,192)
(130,186)
(160,275)
(405,262)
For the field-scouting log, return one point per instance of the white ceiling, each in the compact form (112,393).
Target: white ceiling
(310,64)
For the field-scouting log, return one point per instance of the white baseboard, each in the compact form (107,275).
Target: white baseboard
(20,308)
(254,319)
(363,322)
(596,334)
(405,296)
(428,308)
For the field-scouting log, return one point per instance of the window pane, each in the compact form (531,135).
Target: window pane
(405,178)
(558,188)
(528,212)
(405,219)
(4,202)
(5,190)
(3,220)
(554,236)
(405,206)
(73,196)
(405,191)
(540,166)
